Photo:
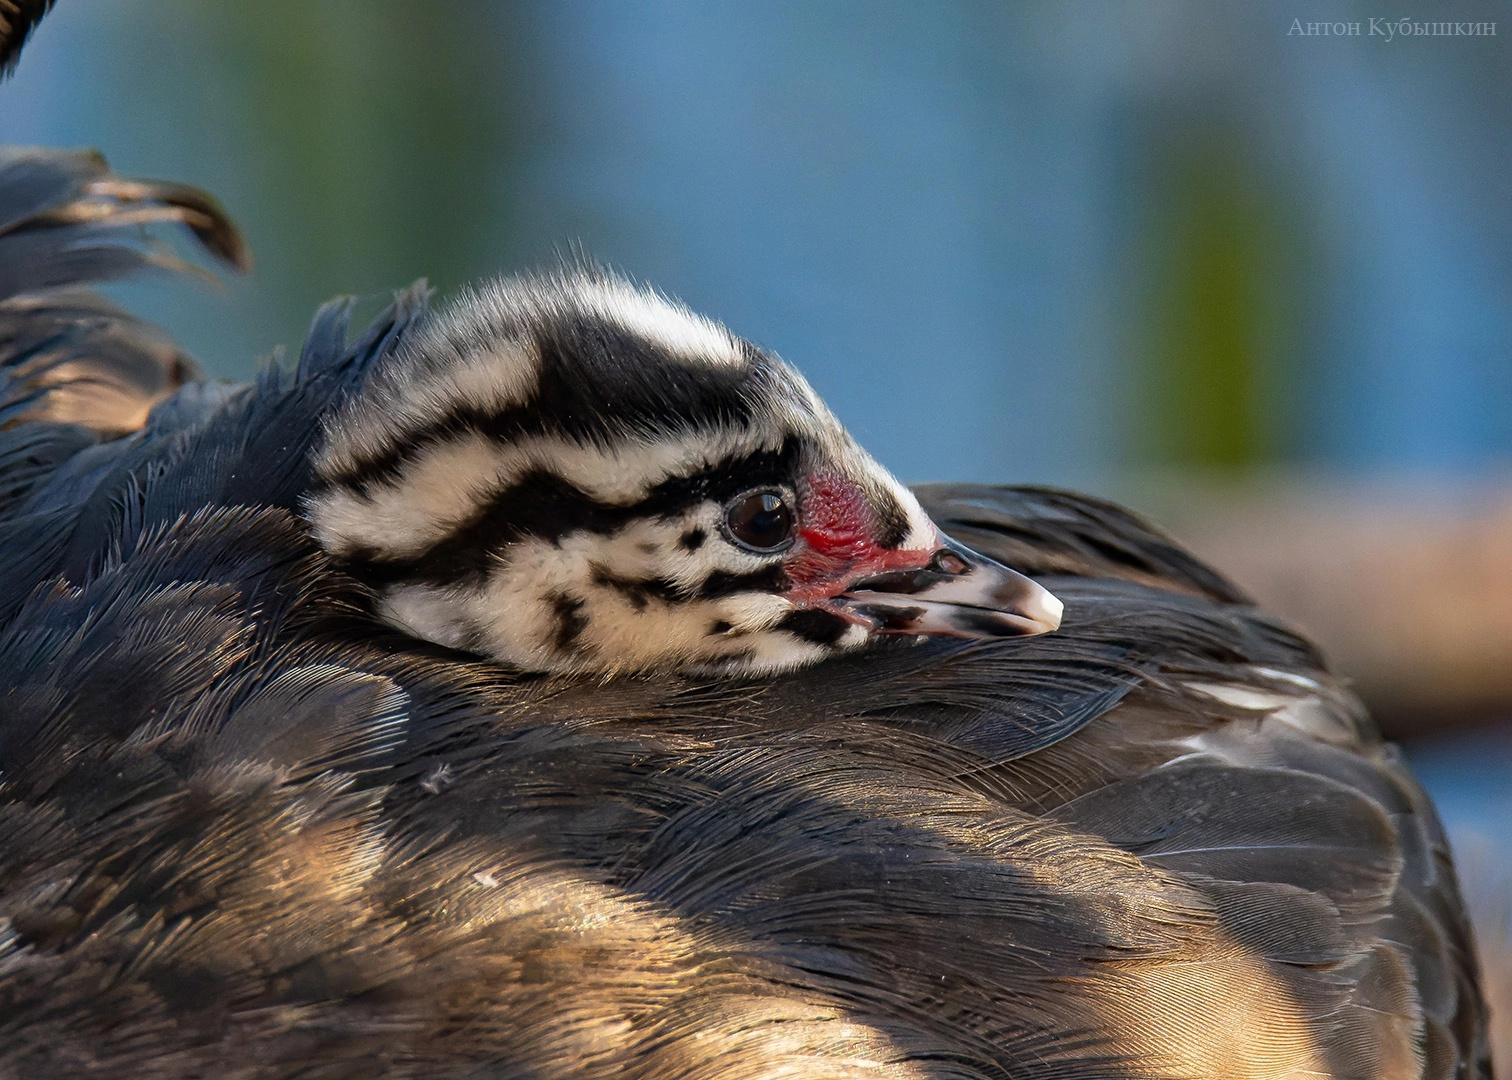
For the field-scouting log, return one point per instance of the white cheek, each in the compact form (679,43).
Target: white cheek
(768,654)
(548,606)
(753,611)
(433,614)
(853,637)
(514,614)
(644,549)
(627,637)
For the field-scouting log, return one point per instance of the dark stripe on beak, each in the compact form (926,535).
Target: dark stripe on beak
(958,593)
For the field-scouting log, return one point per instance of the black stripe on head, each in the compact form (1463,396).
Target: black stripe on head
(542,505)
(386,466)
(596,384)
(728,478)
(639,591)
(892,519)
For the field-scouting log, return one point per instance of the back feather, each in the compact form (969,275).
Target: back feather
(70,357)
(18,18)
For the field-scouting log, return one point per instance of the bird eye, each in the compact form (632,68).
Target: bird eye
(760,521)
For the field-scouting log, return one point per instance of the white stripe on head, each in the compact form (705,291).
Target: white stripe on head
(440,488)
(425,385)
(678,332)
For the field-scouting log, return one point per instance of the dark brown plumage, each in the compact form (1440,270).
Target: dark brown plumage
(248,831)
(18,18)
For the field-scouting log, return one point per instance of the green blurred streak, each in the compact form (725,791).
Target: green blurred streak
(379,148)
(1214,257)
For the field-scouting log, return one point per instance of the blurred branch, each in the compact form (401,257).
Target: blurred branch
(1407,588)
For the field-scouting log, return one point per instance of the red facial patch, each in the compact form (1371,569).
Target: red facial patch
(836,519)
(839,533)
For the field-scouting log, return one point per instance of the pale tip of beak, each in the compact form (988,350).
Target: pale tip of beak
(1043,607)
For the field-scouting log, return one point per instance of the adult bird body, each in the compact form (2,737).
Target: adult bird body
(340,734)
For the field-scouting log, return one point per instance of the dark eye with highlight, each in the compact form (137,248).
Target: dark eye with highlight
(760,521)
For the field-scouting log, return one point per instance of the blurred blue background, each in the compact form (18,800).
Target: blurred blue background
(1042,241)
(1070,243)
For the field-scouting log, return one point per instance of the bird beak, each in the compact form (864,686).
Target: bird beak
(957,593)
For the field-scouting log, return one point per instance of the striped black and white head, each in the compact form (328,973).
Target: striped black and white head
(571,474)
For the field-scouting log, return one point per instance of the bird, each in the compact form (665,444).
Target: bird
(378,718)
(572,474)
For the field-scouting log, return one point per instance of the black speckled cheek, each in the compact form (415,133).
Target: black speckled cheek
(570,621)
(639,591)
(773,579)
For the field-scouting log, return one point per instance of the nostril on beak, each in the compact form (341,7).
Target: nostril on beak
(946,561)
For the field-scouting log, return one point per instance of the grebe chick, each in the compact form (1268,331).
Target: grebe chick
(571,474)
